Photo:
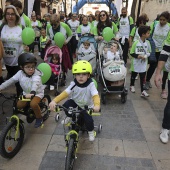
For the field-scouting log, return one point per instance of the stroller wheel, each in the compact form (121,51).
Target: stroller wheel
(63,82)
(123,98)
(103,97)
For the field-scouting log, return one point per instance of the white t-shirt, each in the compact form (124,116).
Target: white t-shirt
(85,29)
(13,45)
(124,29)
(139,65)
(160,34)
(84,51)
(82,95)
(112,56)
(74,25)
(27,84)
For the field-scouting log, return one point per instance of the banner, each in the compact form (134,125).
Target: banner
(30,7)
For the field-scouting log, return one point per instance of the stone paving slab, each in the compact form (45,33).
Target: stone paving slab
(55,160)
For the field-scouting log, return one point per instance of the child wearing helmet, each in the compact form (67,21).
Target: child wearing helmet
(81,92)
(30,80)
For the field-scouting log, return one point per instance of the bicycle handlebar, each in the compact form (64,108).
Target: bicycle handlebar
(22,97)
(71,110)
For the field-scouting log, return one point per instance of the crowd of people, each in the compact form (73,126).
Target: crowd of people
(141,44)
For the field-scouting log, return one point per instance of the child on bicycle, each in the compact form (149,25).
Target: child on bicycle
(81,92)
(30,81)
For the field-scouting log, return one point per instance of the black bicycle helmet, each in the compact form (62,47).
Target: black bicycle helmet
(26,58)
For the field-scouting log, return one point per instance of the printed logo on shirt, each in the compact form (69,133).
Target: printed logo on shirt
(10,52)
(140,49)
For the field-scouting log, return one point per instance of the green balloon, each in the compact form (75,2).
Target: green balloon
(95,82)
(46,72)
(28,36)
(107,34)
(59,39)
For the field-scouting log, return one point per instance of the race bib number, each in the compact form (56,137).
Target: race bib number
(10,52)
(115,70)
(123,23)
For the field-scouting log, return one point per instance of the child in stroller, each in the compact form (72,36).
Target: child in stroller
(53,57)
(55,68)
(87,52)
(113,53)
(112,71)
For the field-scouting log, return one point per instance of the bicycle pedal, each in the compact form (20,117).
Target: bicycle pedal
(95,133)
(42,125)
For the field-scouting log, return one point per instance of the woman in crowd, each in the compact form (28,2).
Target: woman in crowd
(57,26)
(85,27)
(12,42)
(104,22)
(73,23)
(36,25)
(159,32)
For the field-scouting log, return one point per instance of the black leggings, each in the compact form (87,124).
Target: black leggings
(125,48)
(152,68)
(73,43)
(166,118)
(142,77)
(88,120)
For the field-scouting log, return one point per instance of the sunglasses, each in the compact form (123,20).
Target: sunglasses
(96,15)
(102,15)
(74,16)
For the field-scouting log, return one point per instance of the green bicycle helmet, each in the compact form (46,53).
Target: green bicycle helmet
(25,58)
(82,66)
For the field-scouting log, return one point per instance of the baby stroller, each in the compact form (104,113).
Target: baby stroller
(89,56)
(58,78)
(112,75)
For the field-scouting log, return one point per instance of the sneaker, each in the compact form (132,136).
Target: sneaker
(164,135)
(164,95)
(132,89)
(137,77)
(3,67)
(91,135)
(66,121)
(51,87)
(38,122)
(144,94)
(147,85)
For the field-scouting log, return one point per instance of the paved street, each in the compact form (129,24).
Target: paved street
(129,139)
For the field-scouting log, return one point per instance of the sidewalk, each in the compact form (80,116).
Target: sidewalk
(129,139)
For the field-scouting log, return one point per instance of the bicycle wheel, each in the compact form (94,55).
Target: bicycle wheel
(44,106)
(9,147)
(71,155)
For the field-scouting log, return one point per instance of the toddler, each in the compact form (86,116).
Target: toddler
(113,53)
(44,41)
(55,68)
(86,49)
(81,92)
